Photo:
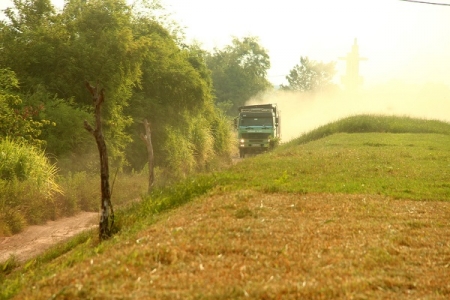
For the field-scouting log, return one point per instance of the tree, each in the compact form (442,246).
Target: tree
(88,40)
(107,213)
(310,75)
(175,96)
(17,121)
(147,138)
(142,66)
(238,73)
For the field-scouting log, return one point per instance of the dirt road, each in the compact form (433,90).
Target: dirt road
(36,239)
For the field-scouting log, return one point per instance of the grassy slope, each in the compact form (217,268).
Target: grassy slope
(334,214)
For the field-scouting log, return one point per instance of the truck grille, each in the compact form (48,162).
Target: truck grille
(255,136)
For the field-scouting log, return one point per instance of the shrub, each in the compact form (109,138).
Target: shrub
(28,184)
(26,163)
(202,140)
(79,193)
(179,151)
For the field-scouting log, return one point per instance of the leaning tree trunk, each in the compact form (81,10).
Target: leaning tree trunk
(107,212)
(147,138)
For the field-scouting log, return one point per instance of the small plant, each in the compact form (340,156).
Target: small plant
(8,266)
(274,142)
(244,212)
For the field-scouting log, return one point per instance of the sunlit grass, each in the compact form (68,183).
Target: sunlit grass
(374,123)
(410,166)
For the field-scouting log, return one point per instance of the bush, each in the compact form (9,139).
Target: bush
(202,140)
(28,184)
(67,135)
(12,221)
(79,193)
(179,151)
(20,161)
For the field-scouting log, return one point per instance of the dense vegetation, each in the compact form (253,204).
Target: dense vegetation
(334,199)
(147,73)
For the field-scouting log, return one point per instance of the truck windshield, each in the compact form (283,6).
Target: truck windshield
(253,121)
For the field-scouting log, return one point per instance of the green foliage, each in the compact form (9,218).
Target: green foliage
(79,193)
(221,130)
(194,146)
(311,75)
(8,266)
(88,40)
(274,142)
(202,140)
(239,72)
(105,51)
(20,161)
(28,184)
(66,135)
(176,98)
(16,119)
(145,71)
(177,194)
(180,153)
(12,221)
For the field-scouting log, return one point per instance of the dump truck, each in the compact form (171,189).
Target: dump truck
(258,128)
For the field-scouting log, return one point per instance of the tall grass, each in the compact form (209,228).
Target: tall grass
(22,162)
(28,184)
(202,141)
(193,150)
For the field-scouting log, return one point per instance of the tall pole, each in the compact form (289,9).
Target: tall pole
(352,80)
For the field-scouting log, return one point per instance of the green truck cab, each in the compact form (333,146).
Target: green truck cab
(258,128)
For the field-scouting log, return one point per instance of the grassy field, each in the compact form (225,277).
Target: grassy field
(357,209)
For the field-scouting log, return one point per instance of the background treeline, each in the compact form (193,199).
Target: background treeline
(146,74)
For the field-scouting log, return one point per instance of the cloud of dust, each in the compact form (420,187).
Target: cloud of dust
(303,112)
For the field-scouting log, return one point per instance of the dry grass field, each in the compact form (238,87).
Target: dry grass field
(273,246)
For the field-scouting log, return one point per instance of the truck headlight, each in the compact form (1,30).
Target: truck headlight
(242,140)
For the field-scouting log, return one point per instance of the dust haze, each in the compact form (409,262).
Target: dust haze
(303,112)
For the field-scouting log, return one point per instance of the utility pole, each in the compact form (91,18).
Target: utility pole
(352,80)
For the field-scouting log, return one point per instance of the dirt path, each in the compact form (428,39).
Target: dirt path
(36,239)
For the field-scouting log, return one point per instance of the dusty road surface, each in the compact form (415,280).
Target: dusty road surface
(36,239)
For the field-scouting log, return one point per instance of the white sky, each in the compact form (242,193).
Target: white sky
(401,40)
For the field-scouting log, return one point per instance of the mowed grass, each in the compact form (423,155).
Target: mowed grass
(408,166)
(348,215)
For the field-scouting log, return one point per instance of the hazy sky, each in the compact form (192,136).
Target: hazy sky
(401,40)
